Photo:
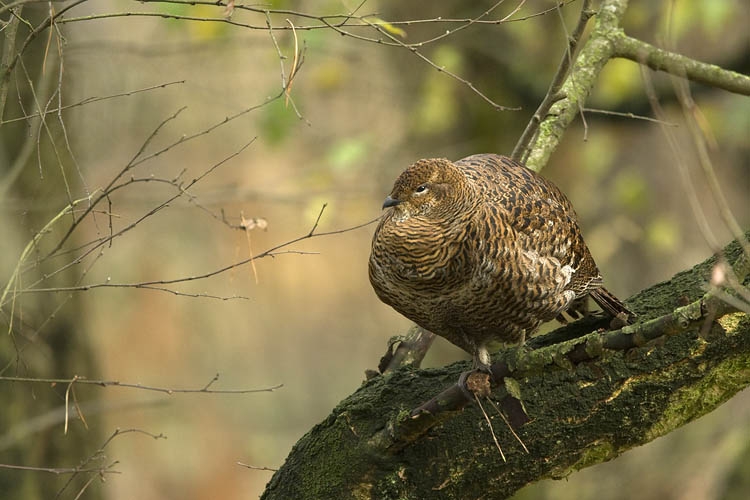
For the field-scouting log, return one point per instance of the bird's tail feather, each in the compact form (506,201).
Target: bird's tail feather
(612,305)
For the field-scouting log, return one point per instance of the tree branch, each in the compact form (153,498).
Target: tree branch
(588,399)
(608,40)
(408,350)
(662,60)
(553,94)
(595,53)
(7,56)
(206,389)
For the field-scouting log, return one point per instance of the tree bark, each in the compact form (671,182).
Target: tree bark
(587,400)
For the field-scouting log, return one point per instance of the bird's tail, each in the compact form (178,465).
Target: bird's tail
(612,305)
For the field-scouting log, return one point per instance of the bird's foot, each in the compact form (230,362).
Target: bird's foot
(481,359)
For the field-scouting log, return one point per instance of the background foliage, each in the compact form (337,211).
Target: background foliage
(312,322)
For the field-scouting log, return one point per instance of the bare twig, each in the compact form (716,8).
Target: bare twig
(336,21)
(317,220)
(442,69)
(104,193)
(99,455)
(690,112)
(15,276)
(83,467)
(278,50)
(116,383)
(467,23)
(62,470)
(112,188)
(507,423)
(44,127)
(93,99)
(160,284)
(489,424)
(680,163)
(632,116)
(254,467)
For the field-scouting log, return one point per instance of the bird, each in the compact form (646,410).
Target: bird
(483,250)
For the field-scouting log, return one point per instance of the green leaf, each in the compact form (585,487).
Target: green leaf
(393,30)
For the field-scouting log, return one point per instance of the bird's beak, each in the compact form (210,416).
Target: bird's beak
(390,202)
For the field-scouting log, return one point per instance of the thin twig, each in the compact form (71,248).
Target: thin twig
(278,50)
(467,23)
(160,284)
(116,383)
(8,54)
(110,189)
(93,99)
(441,69)
(628,115)
(317,220)
(489,424)
(60,470)
(690,111)
(679,161)
(254,467)
(510,427)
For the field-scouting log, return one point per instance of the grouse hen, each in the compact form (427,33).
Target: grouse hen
(482,249)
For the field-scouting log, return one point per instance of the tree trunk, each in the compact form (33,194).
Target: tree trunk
(574,403)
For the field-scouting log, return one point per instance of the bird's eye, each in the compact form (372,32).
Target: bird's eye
(421,188)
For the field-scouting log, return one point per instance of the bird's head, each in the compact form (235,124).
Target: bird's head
(431,188)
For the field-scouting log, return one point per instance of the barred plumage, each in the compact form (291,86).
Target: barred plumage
(481,249)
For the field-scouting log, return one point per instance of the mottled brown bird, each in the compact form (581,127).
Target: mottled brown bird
(482,249)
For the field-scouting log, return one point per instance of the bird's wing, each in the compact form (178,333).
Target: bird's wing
(526,206)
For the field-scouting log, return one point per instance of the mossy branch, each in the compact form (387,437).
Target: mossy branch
(523,362)
(553,93)
(587,399)
(593,56)
(606,41)
(662,60)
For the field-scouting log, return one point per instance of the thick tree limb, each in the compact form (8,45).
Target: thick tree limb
(588,399)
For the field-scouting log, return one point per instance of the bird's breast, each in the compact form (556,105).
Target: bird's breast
(418,254)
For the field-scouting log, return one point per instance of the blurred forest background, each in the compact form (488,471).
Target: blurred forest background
(308,320)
